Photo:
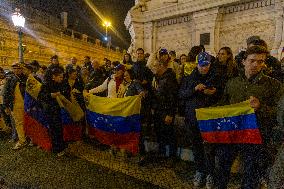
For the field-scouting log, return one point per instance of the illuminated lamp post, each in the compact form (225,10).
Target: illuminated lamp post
(19,22)
(106,24)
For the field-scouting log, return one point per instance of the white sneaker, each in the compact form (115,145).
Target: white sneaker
(60,154)
(263,183)
(31,144)
(209,182)
(19,146)
(198,179)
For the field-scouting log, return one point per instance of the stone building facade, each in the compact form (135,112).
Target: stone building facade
(44,36)
(180,24)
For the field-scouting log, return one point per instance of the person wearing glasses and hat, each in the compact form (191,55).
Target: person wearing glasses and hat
(13,101)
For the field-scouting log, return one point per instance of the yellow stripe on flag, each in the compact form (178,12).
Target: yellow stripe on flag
(123,107)
(33,86)
(242,108)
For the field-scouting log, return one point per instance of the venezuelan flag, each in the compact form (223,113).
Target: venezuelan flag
(71,115)
(115,121)
(236,123)
(35,123)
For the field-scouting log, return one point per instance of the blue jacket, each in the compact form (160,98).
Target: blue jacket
(195,99)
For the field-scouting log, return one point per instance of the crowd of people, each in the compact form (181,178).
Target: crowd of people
(171,89)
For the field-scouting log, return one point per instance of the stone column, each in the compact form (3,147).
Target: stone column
(136,31)
(148,34)
(154,37)
(279,34)
(218,22)
(64,19)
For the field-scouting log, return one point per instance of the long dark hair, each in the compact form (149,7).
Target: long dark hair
(130,59)
(232,66)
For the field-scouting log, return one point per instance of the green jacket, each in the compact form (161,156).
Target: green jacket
(266,89)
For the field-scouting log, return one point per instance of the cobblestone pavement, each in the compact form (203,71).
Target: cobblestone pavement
(33,168)
(154,172)
(87,166)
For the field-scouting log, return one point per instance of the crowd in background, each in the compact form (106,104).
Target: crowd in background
(171,89)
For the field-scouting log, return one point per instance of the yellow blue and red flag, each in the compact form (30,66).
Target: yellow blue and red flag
(115,121)
(35,122)
(236,123)
(71,116)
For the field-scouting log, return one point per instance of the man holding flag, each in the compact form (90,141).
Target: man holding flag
(263,94)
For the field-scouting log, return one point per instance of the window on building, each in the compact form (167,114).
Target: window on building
(205,39)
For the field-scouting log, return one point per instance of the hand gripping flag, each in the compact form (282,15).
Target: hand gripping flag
(236,123)
(35,123)
(71,115)
(115,121)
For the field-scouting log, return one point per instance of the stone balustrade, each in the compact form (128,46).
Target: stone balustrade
(42,40)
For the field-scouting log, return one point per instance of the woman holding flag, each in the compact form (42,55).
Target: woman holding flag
(73,130)
(129,86)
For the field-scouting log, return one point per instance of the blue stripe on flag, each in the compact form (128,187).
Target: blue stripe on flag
(114,124)
(242,122)
(65,116)
(33,108)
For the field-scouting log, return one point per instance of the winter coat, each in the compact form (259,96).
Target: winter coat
(97,77)
(141,72)
(130,89)
(197,99)
(48,103)
(9,89)
(48,75)
(165,94)
(72,66)
(266,89)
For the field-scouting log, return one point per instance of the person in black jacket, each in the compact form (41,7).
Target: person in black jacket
(88,64)
(73,65)
(47,97)
(164,106)
(199,90)
(13,101)
(54,64)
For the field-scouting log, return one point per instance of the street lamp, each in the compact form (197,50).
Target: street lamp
(106,24)
(19,22)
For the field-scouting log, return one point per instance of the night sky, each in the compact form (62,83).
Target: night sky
(81,18)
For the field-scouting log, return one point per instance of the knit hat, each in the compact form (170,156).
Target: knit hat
(163,51)
(119,67)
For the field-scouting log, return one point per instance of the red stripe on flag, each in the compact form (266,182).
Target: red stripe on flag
(128,141)
(91,132)
(37,133)
(248,136)
(72,132)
